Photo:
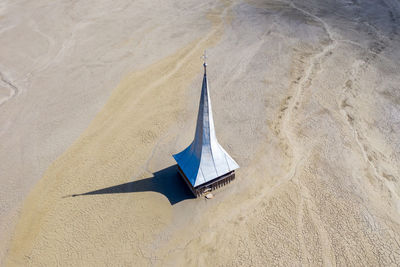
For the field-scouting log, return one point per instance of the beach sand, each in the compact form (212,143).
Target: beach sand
(96,96)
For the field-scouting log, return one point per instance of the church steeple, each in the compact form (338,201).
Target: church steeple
(204,159)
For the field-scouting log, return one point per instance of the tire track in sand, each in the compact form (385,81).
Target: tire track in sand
(283,128)
(304,83)
(350,92)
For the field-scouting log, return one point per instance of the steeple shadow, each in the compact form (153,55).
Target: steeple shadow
(165,181)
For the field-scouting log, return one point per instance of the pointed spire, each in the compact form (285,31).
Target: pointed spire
(205,159)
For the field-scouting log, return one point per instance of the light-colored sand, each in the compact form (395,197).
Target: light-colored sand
(95,96)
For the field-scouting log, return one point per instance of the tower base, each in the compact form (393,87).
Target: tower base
(210,185)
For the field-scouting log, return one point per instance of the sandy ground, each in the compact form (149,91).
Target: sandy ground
(95,96)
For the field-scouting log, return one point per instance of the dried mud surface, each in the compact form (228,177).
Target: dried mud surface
(95,96)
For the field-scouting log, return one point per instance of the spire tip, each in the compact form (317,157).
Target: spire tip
(204,57)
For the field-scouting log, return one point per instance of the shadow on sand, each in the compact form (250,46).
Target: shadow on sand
(165,181)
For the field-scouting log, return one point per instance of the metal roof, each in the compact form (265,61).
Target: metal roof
(204,159)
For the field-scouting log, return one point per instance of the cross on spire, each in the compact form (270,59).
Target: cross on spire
(204,57)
